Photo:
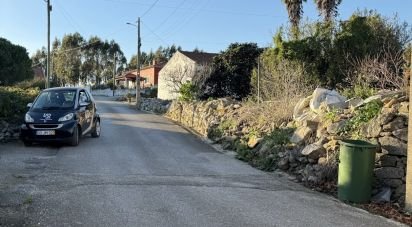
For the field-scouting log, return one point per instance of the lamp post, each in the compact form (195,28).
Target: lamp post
(137,62)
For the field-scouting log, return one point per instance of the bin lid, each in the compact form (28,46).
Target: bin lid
(357,143)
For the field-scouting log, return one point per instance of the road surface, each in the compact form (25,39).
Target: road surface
(146,171)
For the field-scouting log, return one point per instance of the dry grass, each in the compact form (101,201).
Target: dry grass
(266,115)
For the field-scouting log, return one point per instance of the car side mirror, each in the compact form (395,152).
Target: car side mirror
(29,105)
(83,104)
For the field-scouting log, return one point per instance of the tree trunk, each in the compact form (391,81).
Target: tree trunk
(408,196)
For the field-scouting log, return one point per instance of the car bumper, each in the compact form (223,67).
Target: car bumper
(63,132)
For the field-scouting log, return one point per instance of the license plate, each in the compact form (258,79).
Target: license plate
(45,133)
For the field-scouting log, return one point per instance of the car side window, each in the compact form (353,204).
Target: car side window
(83,97)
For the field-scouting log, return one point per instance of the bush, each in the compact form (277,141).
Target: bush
(362,116)
(359,91)
(100,86)
(188,92)
(13,102)
(150,93)
(39,83)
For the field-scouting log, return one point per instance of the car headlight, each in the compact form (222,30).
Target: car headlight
(66,117)
(28,118)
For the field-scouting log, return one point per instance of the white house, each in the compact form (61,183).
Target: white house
(182,67)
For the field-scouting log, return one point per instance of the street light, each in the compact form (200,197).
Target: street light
(137,62)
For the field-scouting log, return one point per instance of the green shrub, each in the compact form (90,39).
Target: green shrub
(359,91)
(100,86)
(227,124)
(243,151)
(362,116)
(39,83)
(215,132)
(150,93)
(332,115)
(188,92)
(280,136)
(13,102)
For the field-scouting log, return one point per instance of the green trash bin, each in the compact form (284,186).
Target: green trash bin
(355,174)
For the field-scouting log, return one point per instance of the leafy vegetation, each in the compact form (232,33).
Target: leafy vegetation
(13,102)
(362,116)
(359,91)
(15,64)
(232,72)
(187,91)
(327,51)
(280,136)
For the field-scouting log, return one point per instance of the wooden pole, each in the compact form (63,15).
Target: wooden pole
(408,194)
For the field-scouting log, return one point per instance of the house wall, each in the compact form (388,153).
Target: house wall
(179,67)
(149,74)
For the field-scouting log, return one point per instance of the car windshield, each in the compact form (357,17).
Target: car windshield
(59,99)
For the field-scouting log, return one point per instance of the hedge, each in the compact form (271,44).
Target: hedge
(13,102)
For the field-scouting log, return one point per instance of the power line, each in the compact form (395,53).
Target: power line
(170,15)
(157,36)
(186,20)
(204,10)
(69,18)
(148,10)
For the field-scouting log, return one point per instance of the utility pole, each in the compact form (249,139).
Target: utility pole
(114,73)
(258,80)
(138,65)
(408,194)
(49,9)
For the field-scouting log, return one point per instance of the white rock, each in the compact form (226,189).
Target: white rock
(331,98)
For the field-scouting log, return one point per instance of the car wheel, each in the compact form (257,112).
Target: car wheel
(27,143)
(97,129)
(76,136)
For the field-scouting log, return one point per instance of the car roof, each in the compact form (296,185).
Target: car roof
(63,89)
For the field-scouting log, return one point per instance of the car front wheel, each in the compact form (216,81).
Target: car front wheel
(76,136)
(97,129)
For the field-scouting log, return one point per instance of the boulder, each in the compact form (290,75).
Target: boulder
(399,191)
(330,98)
(301,134)
(354,102)
(383,196)
(253,141)
(393,183)
(389,173)
(386,116)
(301,106)
(401,134)
(404,108)
(390,103)
(283,163)
(397,123)
(373,128)
(313,151)
(387,160)
(393,145)
(337,127)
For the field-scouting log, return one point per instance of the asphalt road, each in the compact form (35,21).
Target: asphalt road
(146,171)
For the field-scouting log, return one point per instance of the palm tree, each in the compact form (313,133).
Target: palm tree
(328,8)
(295,11)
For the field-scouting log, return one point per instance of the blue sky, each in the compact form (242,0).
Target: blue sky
(210,25)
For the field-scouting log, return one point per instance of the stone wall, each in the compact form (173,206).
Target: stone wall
(312,149)
(201,116)
(8,132)
(154,105)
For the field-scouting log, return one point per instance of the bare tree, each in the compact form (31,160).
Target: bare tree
(283,80)
(179,75)
(383,70)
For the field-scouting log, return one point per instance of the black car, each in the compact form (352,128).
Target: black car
(62,115)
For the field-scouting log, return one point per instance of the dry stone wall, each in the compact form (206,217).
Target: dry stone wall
(311,148)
